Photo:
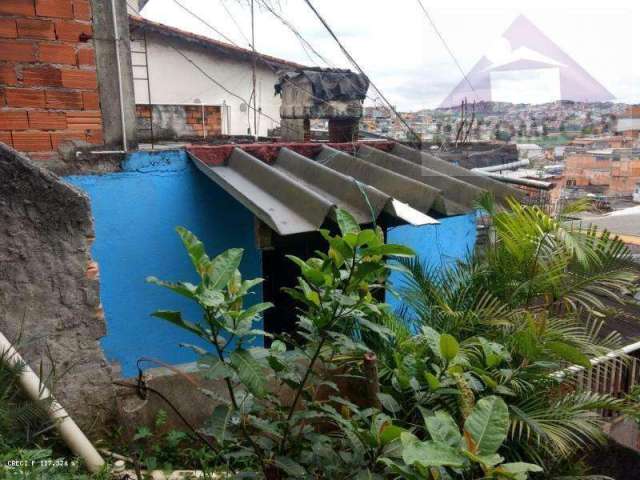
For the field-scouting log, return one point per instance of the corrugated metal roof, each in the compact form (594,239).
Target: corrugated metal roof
(294,188)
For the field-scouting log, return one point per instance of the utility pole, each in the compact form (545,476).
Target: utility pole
(253,79)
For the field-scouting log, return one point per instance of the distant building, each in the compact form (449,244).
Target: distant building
(608,171)
(628,124)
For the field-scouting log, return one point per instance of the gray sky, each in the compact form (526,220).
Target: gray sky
(399,50)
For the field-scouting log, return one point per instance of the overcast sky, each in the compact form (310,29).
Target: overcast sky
(400,51)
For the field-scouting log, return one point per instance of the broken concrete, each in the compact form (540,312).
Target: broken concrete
(49,290)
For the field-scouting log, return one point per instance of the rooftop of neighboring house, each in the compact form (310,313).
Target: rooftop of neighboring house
(624,220)
(137,23)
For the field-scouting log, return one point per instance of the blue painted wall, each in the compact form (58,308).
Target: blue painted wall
(136,212)
(437,245)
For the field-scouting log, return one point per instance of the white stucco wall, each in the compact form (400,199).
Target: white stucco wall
(175,81)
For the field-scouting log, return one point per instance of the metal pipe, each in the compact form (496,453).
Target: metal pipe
(119,70)
(518,181)
(504,166)
(37,391)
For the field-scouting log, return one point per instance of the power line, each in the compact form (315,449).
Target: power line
(206,23)
(235,22)
(357,66)
(446,45)
(262,60)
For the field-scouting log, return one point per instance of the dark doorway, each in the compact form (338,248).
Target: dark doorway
(278,272)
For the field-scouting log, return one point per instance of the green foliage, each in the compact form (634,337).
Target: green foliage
(253,429)
(501,323)
(465,374)
(449,451)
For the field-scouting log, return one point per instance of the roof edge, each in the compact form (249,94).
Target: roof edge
(136,21)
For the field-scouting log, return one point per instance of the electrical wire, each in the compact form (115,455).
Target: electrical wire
(206,23)
(446,45)
(235,22)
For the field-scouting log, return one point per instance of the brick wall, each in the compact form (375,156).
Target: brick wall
(48,81)
(177,122)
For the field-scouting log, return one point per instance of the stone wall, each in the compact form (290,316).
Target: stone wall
(49,289)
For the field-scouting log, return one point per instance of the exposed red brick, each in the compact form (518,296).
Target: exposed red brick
(16,7)
(54,8)
(57,53)
(46,76)
(5,137)
(86,56)
(86,79)
(8,28)
(58,137)
(34,28)
(24,97)
(95,137)
(47,120)
(82,9)
(31,141)
(3,100)
(64,100)
(90,101)
(13,120)
(16,51)
(8,74)
(70,31)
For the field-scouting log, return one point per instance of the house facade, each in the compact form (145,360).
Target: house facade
(192,87)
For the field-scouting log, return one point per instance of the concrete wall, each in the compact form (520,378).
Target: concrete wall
(49,291)
(111,81)
(436,245)
(173,80)
(136,212)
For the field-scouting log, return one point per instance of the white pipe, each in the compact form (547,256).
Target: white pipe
(36,391)
(119,69)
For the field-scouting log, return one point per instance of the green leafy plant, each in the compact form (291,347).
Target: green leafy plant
(283,408)
(448,451)
(519,310)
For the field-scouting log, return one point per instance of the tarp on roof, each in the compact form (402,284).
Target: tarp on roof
(328,84)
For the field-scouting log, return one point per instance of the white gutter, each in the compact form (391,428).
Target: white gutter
(36,391)
(119,69)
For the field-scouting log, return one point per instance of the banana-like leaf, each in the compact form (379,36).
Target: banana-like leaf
(429,453)
(487,424)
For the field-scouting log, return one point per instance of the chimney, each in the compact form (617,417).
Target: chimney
(334,94)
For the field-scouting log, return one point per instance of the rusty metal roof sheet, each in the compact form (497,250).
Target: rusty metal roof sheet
(294,189)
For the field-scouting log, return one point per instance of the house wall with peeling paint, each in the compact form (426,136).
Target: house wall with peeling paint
(136,212)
